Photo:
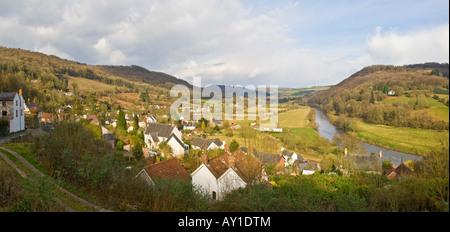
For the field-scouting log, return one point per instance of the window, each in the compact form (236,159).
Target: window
(21,112)
(17,103)
(214,195)
(4,113)
(17,113)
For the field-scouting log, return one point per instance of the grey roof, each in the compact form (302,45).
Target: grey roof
(154,136)
(162,130)
(307,166)
(267,158)
(198,142)
(205,143)
(7,96)
(108,137)
(218,142)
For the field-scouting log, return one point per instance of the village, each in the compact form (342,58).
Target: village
(218,167)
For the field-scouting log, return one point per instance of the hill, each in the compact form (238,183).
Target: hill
(44,78)
(368,95)
(140,74)
(99,72)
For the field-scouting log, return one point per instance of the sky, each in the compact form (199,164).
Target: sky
(287,43)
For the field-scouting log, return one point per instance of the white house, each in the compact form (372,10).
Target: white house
(291,157)
(227,172)
(207,144)
(12,108)
(157,133)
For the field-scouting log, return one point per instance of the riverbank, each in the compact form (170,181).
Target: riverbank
(407,140)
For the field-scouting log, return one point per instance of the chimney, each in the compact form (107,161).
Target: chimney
(381,154)
(20,91)
(205,158)
(231,161)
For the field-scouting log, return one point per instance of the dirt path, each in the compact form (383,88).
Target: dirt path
(33,169)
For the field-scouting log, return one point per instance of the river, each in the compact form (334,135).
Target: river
(328,130)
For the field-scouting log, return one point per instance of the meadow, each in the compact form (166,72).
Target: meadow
(413,141)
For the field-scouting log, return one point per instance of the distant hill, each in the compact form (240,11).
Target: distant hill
(54,65)
(140,74)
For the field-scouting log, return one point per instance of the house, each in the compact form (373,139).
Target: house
(226,172)
(215,122)
(400,171)
(12,108)
(291,157)
(307,167)
(207,144)
(157,133)
(391,93)
(167,169)
(33,110)
(110,139)
(92,118)
(272,159)
(152,119)
(104,130)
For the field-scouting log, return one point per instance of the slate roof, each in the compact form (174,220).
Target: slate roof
(267,158)
(108,137)
(205,143)
(162,130)
(9,96)
(307,166)
(33,107)
(170,168)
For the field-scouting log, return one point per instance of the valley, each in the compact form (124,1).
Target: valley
(401,108)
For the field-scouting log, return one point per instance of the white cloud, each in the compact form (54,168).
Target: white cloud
(223,41)
(392,47)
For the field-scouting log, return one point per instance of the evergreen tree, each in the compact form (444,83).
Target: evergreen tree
(135,123)
(121,123)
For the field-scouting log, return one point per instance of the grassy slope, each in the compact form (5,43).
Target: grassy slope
(414,141)
(437,109)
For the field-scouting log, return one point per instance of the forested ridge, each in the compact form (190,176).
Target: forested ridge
(365,95)
(40,76)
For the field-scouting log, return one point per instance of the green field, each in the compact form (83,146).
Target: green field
(413,141)
(294,118)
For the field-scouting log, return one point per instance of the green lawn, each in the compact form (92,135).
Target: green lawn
(413,141)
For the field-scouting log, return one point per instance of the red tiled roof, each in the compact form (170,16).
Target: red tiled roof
(402,170)
(247,167)
(170,168)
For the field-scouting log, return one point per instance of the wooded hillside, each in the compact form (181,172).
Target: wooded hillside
(365,95)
